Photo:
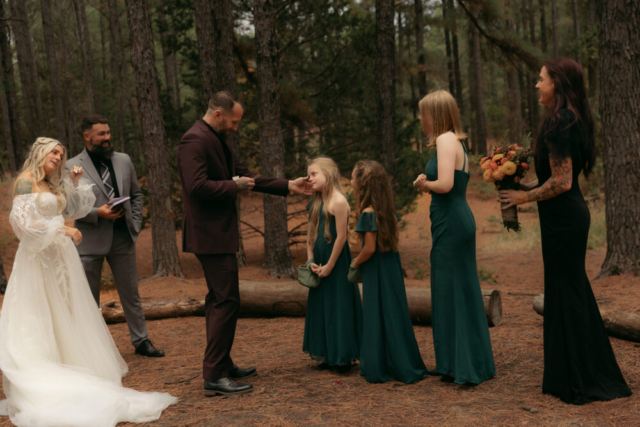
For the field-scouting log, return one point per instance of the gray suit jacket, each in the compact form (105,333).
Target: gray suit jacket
(97,232)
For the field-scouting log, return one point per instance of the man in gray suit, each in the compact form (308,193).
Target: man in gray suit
(112,233)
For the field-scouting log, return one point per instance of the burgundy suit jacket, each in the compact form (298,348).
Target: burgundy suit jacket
(206,166)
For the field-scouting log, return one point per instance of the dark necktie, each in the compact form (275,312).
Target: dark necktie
(106,179)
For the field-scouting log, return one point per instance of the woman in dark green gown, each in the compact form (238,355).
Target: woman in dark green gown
(460,330)
(333,325)
(389,347)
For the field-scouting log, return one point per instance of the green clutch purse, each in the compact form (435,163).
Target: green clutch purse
(355,274)
(306,277)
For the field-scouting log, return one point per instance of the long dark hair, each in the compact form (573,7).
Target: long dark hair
(569,93)
(375,191)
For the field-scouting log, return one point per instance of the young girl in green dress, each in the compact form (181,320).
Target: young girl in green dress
(333,326)
(460,331)
(389,347)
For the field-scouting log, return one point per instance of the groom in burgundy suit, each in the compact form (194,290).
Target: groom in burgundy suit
(211,178)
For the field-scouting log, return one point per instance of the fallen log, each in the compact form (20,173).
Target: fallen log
(113,313)
(274,299)
(419,300)
(619,324)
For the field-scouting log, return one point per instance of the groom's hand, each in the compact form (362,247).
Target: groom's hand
(300,186)
(245,183)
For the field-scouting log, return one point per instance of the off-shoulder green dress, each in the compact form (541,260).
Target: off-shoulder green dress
(333,325)
(389,347)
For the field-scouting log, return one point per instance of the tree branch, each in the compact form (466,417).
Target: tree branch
(505,44)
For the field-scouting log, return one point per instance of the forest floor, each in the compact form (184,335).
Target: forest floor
(289,390)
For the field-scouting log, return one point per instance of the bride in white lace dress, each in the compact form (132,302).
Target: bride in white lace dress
(59,363)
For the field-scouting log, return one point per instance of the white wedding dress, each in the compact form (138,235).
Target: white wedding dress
(59,362)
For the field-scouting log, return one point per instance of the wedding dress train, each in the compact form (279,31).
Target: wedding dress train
(59,362)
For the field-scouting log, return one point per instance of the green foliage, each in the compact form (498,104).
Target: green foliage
(487,276)
(107,281)
(421,268)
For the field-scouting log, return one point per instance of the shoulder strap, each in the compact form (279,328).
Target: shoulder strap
(464,164)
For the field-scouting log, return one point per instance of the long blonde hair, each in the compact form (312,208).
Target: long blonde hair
(374,190)
(36,160)
(444,113)
(332,175)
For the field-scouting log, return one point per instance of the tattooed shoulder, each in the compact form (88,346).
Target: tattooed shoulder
(23,186)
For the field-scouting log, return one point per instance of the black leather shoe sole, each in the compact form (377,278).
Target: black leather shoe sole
(212,393)
(150,354)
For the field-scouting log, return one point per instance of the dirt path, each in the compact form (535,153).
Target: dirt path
(290,391)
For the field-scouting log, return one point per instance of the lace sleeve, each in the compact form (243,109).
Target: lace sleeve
(35,231)
(80,199)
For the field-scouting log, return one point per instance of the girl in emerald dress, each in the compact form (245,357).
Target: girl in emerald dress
(460,331)
(333,325)
(389,347)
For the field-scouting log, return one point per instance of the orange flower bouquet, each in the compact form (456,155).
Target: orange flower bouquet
(505,167)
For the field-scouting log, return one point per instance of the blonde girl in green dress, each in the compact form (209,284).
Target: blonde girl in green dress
(333,326)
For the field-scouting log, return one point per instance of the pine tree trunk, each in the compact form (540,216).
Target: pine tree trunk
(165,249)
(514,105)
(90,85)
(447,43)
(592,64)
(206,49)
(3,277)
(473,113)
(66,80)
(532,92)
(554,25)
(223,32)
(419,27)
(103,40)
(451,11)
(385,84)
(10,113)
(619,44)
(399,63)
(543,28)
(576,28)
(27,67)
(412,80)
(167,58)
(277,254)
(6,127)
(117,78)
(54,74)
(480,146)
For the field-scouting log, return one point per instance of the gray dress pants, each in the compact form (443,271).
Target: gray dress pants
(122,260)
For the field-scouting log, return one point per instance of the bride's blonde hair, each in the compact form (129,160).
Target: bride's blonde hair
(36,160)
(332,176)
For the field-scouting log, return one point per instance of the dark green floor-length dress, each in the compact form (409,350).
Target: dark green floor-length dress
(460,331)
(333,326)
(389,347)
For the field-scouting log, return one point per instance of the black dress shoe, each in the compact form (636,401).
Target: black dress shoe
(236,372)
(146,348)
(226,387)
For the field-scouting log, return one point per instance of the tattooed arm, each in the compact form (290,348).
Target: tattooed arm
(22,186)
(560,182)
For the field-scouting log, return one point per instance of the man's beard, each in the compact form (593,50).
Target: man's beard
(102,152)
(220,133)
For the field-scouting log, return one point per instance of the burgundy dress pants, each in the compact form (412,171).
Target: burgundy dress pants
(222,304)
